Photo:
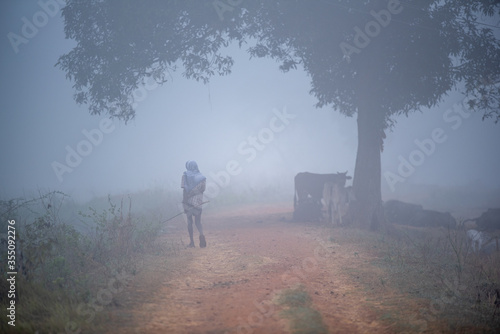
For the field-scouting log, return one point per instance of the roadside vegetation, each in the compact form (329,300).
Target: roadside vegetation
(456,289)
(72,260)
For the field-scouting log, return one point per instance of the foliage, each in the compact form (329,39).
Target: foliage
(59,268)
(122,43)
(418,55)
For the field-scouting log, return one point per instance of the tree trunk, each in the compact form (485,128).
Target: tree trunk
(366,211)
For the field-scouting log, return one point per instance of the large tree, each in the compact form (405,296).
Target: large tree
(374,59)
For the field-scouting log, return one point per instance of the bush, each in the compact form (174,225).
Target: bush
(60,268)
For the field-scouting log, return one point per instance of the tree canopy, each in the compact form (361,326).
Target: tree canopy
(404,54)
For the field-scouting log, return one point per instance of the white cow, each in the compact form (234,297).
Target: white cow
(476,238)
(335,201)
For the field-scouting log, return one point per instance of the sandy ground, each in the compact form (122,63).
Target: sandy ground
(253,254)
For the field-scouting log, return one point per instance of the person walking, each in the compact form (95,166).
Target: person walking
(193,184)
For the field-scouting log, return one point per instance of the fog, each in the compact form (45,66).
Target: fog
(253,129)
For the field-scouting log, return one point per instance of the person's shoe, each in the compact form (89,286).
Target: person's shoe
(203,242)
(191,245)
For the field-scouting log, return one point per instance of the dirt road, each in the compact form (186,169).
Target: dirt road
(254,255)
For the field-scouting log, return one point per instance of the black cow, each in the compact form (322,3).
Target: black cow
(431,218)
(488,221)
(309,192)
(397,212)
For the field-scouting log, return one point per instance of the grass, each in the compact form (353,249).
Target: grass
(298,310)
(430,268)
(68,272)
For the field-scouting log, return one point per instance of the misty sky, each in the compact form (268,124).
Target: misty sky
(258,121)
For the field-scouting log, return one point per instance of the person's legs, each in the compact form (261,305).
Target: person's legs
(197,221)
(203,242)
(190,229)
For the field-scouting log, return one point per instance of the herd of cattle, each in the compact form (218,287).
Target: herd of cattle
(326,197)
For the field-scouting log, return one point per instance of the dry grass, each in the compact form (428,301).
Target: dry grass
(453,287)
(67,276)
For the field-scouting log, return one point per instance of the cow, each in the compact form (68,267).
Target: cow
(336,199)
(482,242)
(476,239)
(432,218)
(309,192)
(487,240)
(488,221)
(308,210)
(398,212)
